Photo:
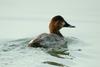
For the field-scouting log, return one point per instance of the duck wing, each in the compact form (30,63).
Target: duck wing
(37,41)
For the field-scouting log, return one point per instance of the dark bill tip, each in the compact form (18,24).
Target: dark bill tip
(72,26)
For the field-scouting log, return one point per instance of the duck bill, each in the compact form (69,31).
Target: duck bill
(68,25)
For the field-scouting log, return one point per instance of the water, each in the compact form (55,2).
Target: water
(19,23)
(16,53)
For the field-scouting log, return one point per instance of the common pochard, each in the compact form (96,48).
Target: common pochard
(54,38)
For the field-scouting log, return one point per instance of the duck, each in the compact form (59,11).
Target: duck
(54,38)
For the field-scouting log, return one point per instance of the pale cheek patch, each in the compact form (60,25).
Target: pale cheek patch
(63,23)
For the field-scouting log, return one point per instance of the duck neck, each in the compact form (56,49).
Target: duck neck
(57,32)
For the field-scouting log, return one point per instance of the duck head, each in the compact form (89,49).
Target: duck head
(57,23)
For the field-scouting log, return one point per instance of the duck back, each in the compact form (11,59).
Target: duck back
(47,40)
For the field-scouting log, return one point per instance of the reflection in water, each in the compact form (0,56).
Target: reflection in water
(58,53)
(55,64)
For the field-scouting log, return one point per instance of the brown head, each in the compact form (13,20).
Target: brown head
(57,23)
